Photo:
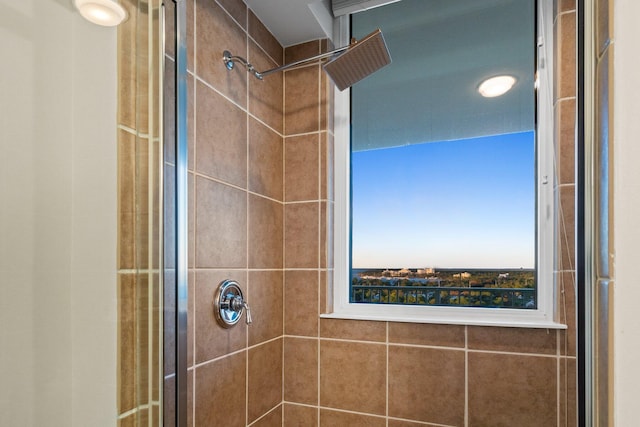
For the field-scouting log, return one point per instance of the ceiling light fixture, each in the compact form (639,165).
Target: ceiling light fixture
(496,86)
(107,13)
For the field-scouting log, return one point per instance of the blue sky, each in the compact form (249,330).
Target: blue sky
(454,204)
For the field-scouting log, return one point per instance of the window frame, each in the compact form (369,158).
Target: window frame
(545,315)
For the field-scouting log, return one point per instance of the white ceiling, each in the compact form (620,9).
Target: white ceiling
(294,21)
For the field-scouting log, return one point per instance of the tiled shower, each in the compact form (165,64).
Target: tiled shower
(260,212)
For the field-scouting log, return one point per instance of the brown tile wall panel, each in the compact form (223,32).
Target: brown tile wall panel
(265,161)
(216,32)
(301,373)
(565,137)
(221,137)
(330,418)
(301,303)
(517,340)
(507,390)
(301,235)
(265,378)
(566,228)
(272,419)
(301,167)
(427,384)
(425,334)
(265,96)
(360,330)
(297,415)
(265,39)
(566,71)
(265,298)
(353,376)
(265,233)
(220,392)
(221,225)
(237,9)
(301,100)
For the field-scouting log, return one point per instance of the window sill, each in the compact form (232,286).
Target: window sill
(446,316)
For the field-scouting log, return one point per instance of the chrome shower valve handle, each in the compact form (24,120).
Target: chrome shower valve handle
(229,304)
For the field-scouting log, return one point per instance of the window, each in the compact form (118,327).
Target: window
(444,199)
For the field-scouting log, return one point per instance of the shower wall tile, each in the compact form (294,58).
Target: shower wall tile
(265,298)
(126,199)
(565,121)
(426,334)
(265,378)
(566,228)
(272,419)
(301,303)
(265,96)
(519,340)
(301,235)
(221,223)
(221,137)
(440,378)
(353,330)
(265,39)
(265,233)
(603,19)
(237,9)
(301,167)
(326,166)
(566,70)
(212,341)
(216,32)
(220,392)
(190,32)
(353,376)
(265,161)
(127,338)
(507,389)
(330,418)
(301,51)
(301,370)
(297,415)
(568,404)
(566,283)
(301,100)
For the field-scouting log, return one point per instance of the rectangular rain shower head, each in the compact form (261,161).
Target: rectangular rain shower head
(361,59)
(347,66)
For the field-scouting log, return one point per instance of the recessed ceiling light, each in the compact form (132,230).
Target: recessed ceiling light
(496,86)
(107,13)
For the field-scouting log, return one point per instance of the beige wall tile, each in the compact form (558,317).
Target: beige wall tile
(421,375)
(265,96)
(510,390)
(265,233)
(221,225)
(297,416)
(272,419)
(426,334)
(566,71)
(211,339)
(265,161)
(301,167)
(215,33)
(301,303)
(265,378)
(330,418)
(301,370)
(301,51)
(265,39)
(127,368)
(565,124)
(566,229)
(353,376)
(301,100)
(221,137)
(517,340)
(237,9)
(220,392)
(301,235)
(360,330)
(265,299)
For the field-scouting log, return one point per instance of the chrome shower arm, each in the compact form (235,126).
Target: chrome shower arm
(229,62)
(303,61)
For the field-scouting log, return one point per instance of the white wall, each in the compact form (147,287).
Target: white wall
(57,217)
(626,129)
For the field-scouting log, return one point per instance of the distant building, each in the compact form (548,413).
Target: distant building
(426,271)
(464,275)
